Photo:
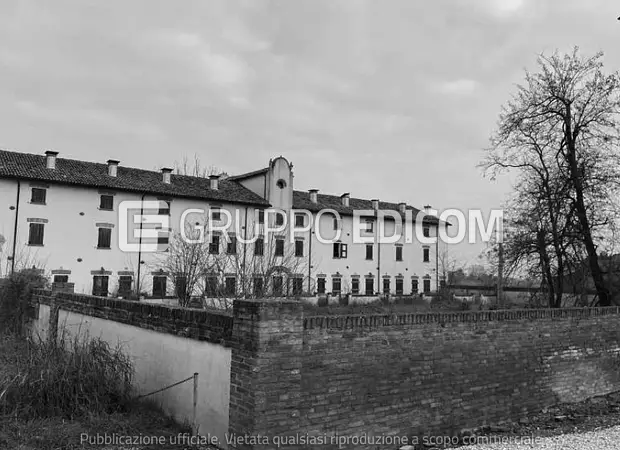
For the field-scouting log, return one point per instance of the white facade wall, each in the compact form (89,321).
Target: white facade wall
(72,218)
(383,262)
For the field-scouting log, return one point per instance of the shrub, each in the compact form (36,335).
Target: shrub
(15,295)
(70,379)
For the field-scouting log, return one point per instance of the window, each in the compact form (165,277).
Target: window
(180,286)
(369,251)
(35,236)
(164,209)
(279,219)
(211,286)
(414,286)
(299,247)
(370,286)
(104,240)
(426,231)
(163,239)
(261,216)
(340,250)
(427,254)
(427,285)
(214,246)
(124,285)
(231,245)
(399,286)
(230,286)
(300,220)
(386,285)
(259,247)
(320,286)
(369,226)
(159,286)
(258,287)
(100,285)
(355,286)
(297,285)
(281,183)
(106,202)
(38,196)
(279,247)
(61,278)
(216,213)
(336,285)
(277,286)
(399,253)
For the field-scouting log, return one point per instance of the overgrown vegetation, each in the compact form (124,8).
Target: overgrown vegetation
(15,294)
(53,393)
(70,379)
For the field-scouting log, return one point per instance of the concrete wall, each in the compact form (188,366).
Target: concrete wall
(165,344)
(411,374)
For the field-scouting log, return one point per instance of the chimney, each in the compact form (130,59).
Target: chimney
(375,204)
(166,175)
(427,209)
(402,207)
(314,195)
(345,199)
(214,182)
(112,167)
(50,159)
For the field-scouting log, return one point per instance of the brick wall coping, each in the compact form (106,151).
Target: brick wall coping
(355,321)
(199,324)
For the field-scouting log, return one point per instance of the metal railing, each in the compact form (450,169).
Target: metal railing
(194,400)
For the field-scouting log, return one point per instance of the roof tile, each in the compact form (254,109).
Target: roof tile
(82,173)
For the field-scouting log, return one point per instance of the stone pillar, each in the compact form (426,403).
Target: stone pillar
(265,389)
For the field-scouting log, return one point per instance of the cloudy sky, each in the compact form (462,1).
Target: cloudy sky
(389,99)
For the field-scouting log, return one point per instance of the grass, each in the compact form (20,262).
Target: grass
(53,398)
(47,380)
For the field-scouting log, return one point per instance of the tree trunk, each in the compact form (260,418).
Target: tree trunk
(580,209)
(546,267)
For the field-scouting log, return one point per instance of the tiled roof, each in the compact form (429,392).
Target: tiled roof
(248,174)
(301,200)
(28,166)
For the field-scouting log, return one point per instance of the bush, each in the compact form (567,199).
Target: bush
(46,379)
(15,295)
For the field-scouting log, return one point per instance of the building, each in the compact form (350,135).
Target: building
(65,216)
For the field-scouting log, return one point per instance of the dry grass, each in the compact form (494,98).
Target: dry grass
(48,380)
(53,398)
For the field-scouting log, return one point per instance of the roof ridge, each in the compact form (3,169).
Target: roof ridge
(77,172)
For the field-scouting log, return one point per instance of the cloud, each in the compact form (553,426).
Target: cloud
(505,8)
(462,86)
(378,88)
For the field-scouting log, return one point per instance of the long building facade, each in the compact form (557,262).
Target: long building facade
(71,219)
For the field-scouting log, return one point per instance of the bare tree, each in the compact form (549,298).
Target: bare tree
(186,261)
(219,267)
(194,167)
(449,265)
(558,133)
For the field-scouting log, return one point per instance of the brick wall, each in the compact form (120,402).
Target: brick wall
(413,374)
(306,379)
(204,325)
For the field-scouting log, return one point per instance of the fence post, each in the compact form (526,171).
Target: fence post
(194,424)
